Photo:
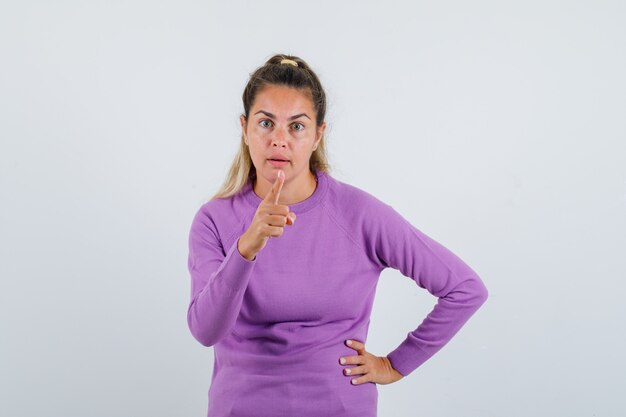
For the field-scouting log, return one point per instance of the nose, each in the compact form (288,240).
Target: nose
(279,138)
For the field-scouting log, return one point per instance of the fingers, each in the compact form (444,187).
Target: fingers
(355,370)
(355,344)
(274,225)
(363,371)
(277,220)
(274,193)
(372,369)
(275,216)
(360,359)
(275,231)
(352,360)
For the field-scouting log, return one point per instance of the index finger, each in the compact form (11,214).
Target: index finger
(274,192)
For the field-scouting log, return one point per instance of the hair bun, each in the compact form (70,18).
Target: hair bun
(289,61)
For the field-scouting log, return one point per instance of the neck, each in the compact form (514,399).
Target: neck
(292,192)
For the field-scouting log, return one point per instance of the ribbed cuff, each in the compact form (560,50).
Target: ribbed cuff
(407,357)
(235,269)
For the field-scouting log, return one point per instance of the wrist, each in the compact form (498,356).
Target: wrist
(243,248)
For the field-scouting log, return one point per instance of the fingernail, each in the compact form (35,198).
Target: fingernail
(342,360)
(348,371)
(349,342)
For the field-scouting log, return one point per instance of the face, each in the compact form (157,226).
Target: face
(281,125)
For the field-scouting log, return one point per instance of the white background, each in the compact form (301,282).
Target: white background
(497,128)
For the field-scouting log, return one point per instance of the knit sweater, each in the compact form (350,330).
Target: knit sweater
(278,323)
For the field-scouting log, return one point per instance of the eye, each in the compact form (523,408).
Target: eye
(264,120)
(299,124)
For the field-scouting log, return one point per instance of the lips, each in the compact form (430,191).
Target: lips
(278,158)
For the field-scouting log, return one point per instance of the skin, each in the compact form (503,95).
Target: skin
(269,220)
(370,368)
(296,139)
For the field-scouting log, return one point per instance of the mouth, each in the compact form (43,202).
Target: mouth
(278,162)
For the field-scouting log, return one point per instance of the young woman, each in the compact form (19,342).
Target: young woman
(284,263)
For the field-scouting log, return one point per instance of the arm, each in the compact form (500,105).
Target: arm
(218,282)
(398,244)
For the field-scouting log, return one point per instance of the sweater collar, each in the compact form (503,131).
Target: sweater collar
(301,206)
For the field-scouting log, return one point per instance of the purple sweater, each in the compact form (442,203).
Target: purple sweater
(278,323)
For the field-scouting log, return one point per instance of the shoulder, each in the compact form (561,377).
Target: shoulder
(360,213)
(369,221)
(221,217)
(350,201)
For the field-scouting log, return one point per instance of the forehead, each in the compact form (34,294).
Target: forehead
(282,99)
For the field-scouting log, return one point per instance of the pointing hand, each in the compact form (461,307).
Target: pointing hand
(269,220)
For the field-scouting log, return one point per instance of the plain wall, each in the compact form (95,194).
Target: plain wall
(497,128)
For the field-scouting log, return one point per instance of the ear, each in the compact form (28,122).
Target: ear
(320,134)
(244,125)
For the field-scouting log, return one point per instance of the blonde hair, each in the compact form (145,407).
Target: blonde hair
(300,77)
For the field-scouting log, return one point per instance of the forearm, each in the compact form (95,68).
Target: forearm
(447,317)
(213,311)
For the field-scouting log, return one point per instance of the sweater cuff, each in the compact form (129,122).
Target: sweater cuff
(236,268)
(407,357)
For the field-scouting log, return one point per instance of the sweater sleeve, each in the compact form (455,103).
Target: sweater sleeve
(219,278)
(460,291)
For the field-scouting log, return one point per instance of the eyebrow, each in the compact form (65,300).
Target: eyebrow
(274,117)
